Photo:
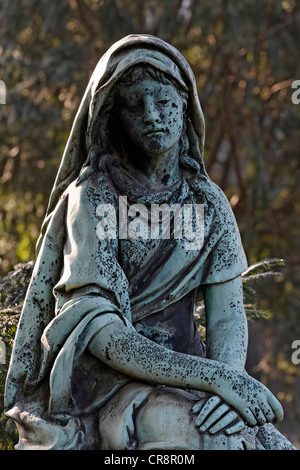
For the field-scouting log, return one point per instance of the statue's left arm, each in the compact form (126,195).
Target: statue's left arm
(226,324)
(226,341)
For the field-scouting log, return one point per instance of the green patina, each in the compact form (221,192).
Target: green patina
(107,353)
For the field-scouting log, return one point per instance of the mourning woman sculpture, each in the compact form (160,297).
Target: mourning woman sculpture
(107,353)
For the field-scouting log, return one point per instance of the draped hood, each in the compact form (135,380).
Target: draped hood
(127,52)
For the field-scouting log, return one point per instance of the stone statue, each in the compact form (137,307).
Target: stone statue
(107,353)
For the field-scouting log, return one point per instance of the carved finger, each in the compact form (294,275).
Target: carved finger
(276,408)
(224,422)
(209,406)
(215,417)
(236,427)
(269,414)
(197,407)
(249,417)
(259,415)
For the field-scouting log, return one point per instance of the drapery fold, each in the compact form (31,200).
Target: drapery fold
(79,279)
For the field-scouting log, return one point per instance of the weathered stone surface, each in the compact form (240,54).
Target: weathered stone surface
(107,353)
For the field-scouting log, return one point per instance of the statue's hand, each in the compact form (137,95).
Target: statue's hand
(215,415)
(253,401)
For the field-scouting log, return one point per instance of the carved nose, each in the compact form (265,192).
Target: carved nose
(151,114)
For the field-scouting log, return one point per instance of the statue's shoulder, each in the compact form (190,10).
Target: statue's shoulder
(217,205)
(215,195)
(93,190)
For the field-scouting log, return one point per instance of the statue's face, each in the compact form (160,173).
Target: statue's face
(152,115)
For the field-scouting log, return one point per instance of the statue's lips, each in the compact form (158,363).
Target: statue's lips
(154,132)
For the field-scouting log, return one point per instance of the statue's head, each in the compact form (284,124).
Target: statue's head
(146,111)
(101,127)
(151,109)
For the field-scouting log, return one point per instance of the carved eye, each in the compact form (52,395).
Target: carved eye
(134,106)
(133,103)
(163,102)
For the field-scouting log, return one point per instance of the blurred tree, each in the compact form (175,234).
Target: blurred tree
(245,58)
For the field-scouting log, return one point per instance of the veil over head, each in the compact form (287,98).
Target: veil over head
(127,52)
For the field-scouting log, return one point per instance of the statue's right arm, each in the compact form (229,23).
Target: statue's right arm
(124,349)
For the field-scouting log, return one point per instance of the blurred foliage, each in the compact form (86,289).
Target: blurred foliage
(252,278)
(12,293)
(245,57)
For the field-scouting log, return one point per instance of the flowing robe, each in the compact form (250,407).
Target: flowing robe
(81,281)
(55,389)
